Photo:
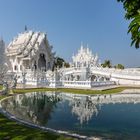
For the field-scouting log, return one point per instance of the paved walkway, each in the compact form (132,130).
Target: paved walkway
(105,87)
(132,91)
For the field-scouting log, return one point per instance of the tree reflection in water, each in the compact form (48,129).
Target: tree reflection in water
(34,107)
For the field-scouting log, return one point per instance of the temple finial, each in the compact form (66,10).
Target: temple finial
(81,46)
(25,28)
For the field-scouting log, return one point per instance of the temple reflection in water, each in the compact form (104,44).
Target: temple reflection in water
(38,107)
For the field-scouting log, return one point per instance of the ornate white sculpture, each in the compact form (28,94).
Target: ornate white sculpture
(85,58)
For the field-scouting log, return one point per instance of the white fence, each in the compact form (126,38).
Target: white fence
(80,84)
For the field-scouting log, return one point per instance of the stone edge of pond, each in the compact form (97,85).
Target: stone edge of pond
(20,121)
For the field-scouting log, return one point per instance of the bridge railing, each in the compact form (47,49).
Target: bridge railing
(102,83)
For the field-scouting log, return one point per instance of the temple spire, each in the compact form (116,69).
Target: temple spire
(25,28)
(81,46)
(87,49)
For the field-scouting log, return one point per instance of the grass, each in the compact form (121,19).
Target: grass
(2,96)
(10,130)
(1,87)
(78,91)
(32,90)
(88,91)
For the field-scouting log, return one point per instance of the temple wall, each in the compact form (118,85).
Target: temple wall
(121,81)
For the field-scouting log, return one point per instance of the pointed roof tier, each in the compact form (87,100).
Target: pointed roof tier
(27,43)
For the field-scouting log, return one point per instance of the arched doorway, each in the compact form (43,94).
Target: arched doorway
(42,62)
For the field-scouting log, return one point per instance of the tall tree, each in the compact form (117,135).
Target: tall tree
(132,8)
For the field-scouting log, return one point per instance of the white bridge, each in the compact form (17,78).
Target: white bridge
(123,77)
(81,77)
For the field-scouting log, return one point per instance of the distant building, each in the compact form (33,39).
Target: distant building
(30,51)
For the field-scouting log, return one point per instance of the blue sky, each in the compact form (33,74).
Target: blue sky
(98,23)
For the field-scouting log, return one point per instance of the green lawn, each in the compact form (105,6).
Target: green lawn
(2,96)
(1,87)
(10,130)
(78,91)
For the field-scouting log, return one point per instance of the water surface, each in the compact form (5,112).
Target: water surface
(106,116)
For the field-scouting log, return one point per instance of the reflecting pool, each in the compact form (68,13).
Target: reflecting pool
(107,116)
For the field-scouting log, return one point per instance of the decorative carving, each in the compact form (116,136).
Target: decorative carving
(85,58)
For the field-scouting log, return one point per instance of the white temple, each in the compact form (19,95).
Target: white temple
(31,59)
(30,50)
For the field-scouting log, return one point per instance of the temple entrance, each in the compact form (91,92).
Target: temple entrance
(42,62)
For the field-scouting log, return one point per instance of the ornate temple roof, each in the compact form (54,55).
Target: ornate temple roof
(26,43)
(85,55)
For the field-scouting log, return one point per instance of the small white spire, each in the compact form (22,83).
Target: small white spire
(81,46)
(87,50)
(72,55)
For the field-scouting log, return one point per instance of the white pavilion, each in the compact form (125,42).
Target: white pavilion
(30,50)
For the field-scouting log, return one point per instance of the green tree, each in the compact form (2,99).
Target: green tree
(107,63)
(132,8)
(119,66)
(59,62)
(66,64)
